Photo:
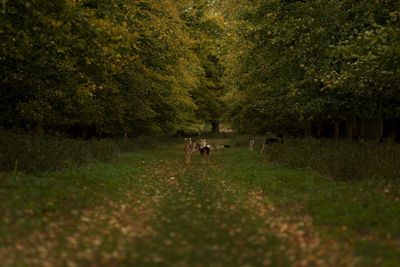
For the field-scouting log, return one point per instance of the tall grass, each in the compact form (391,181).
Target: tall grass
(342,160)
(32,153)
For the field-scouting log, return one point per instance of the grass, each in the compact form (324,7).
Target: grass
(32,153)
(147,208)
(341,160)
(363,212)
(37,153)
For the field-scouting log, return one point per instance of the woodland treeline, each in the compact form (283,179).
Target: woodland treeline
(324,68)
(86,68)
(108,67)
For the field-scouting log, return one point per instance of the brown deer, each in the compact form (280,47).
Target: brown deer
(203,143)
(205,153)
(251,147)
(189,148)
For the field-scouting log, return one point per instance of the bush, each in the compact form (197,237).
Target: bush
(31,153)
(21,151)
(342,160)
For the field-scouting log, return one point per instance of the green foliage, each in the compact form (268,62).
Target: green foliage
(339,159)
(34,153)
(311,61)
(110,67)
(119,67)
(207,30)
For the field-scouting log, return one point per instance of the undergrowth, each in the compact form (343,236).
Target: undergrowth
(32,153)
(340,160)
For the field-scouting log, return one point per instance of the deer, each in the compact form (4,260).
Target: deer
(204,152)
(189,148)
(251,145)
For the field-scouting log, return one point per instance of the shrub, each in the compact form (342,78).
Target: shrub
(343,160)
(31,153)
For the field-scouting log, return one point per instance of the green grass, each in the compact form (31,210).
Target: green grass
(37,153)
(365,211)
(341,160)
(366,205)
(147,208)
(32,153)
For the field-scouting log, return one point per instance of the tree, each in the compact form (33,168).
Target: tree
(91,67)
(206,29)
(305,62)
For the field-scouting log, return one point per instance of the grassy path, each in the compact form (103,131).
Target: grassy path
(150,209)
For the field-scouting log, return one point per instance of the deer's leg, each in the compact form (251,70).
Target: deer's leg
(187,158)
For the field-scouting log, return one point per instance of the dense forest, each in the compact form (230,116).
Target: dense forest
(325,68)
(88,68)
(108,68)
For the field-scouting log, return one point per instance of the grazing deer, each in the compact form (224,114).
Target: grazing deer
(251,144)
(189,148)
(205,153)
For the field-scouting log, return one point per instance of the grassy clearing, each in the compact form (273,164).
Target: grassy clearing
(363,213)
(147,208)
(46,219)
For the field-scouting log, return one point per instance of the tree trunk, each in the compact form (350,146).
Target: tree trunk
(307,129)
(391,129)
(350,129)
(336,130)
(361,132)
(320,129)
(380,130)
(214,127)
(355,129)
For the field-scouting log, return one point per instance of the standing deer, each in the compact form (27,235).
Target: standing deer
(203,143)
(205,153)
(189,147)
(251,144)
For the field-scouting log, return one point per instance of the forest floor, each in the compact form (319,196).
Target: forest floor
(150,209)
